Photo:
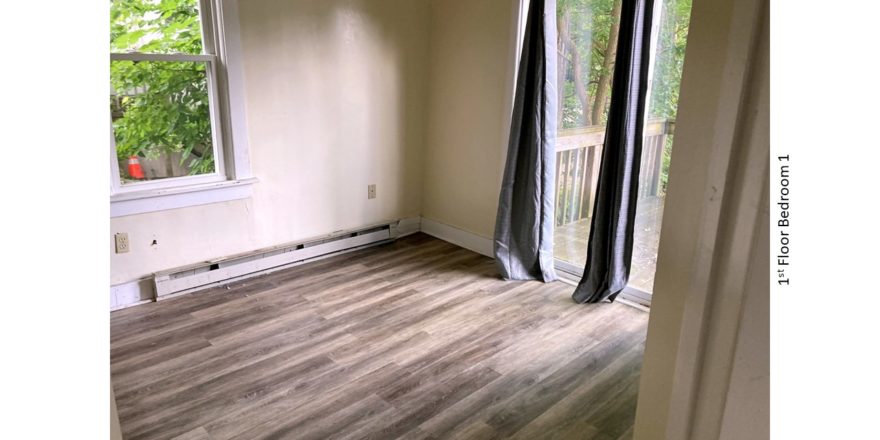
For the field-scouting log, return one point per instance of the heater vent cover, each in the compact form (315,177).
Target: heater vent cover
(211,273)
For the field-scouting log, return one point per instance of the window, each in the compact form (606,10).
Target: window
(671,22)
(171,128)
(586,47)
(587,43)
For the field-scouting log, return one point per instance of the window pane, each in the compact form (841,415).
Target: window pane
(155,26)
(161,119)
(587,43)
(657,147)
(586,46)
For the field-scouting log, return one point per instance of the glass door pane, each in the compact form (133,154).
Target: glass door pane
(587,42)
(671,38)
(586,49)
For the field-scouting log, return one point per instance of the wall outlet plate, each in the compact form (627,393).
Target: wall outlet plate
(371,191)
(122,244)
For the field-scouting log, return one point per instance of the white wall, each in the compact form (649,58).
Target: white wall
(336,96)
(471,85)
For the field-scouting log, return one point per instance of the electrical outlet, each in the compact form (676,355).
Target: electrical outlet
(122,245)
(371,191)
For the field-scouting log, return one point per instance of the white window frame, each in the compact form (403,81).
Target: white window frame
(232,177)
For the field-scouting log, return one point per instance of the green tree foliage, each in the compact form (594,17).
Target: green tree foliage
(160,107)
(587,47)
(584,29)
(671,42)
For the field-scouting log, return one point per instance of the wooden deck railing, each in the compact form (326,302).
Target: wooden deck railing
(578,152)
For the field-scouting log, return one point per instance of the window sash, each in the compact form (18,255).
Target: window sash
(220,33)
(141,56)
(211,27)
(219,173)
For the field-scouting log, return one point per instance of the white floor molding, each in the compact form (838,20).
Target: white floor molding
(460,237)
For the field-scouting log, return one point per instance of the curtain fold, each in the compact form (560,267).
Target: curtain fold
(524,224)
(609,250)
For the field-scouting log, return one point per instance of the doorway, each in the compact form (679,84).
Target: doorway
(587,44)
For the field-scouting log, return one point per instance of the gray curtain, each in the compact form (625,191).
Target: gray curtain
(524,224)
(609,251)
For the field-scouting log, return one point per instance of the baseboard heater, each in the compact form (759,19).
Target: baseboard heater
(221,271)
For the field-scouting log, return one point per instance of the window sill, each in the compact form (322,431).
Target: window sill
(140,202)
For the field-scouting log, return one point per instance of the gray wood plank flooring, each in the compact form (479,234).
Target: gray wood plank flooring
(418,339)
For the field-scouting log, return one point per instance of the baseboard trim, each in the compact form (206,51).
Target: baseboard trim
(459,237)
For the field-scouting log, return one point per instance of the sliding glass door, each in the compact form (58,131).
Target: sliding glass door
(586,49)
(587,32)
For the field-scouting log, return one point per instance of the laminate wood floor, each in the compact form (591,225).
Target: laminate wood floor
(418,339)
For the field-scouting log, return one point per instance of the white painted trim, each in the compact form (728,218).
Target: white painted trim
(218,121)
(143,188)
(231,80)
(460,237)
(138,56)
(114,161)
(180,189)
(179,197)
